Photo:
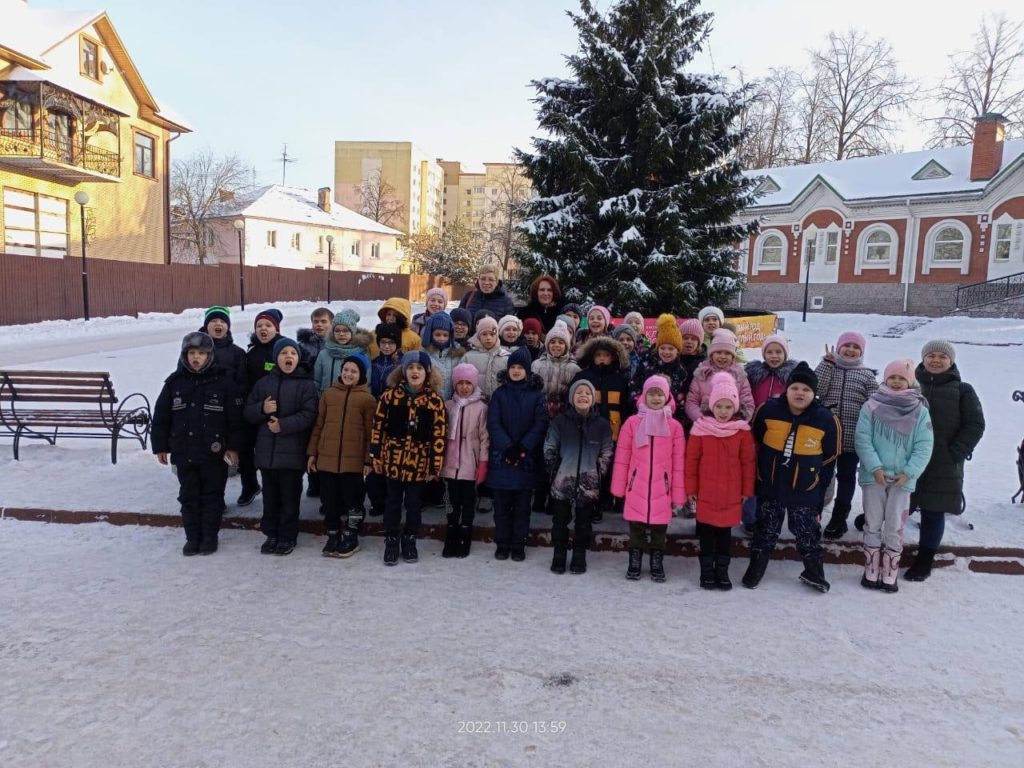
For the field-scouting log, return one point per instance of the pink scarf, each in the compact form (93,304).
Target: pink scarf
(652,423)
(709,426)
(454,417)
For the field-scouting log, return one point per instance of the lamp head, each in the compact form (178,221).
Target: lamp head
(82,197)
(238,224)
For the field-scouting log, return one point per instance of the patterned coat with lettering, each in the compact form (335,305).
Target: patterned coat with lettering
(407,440)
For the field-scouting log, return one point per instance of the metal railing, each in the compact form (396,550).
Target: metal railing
(990,291)
(49,145)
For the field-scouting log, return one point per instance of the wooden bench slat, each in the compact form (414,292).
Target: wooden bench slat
(96,375)
(59,399)
(51,389)
(35,383)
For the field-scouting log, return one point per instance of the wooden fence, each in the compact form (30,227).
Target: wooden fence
(33,289)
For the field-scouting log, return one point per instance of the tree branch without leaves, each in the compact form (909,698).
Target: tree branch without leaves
(380,202)
(198,183)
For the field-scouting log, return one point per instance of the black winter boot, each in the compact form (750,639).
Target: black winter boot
(409,553)
(707,572)
(465,540)
(657,565)
(331,547)
(501,553)
(921,568)
(722,580)
(858,522)
(209,545)
(837,524)
(268,546)
(518,553)
(755,570)
(390,550)
(636,561)
(348,544)
(191,547)
(284,547)
(579,560)
(452,540)
(558,559)
(814,575)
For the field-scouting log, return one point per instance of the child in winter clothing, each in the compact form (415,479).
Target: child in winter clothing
(226,354)
(845,384)
(465,458)
(444,353)
(462,324)
(722,357)
(575,311)
(311,340)
(389,342)
(398,311)
(798,440)
(769,375)
(284,405)
(435,301)
(627,337)
(407,448)
(556,368)
(636,321)
(570,323)
(665,361)
(604,363)
(649,473)
(338,452)
(487,355)
(599,323)
(692,352)
(532,333)
(517,420)
(720,464)
(578,453)
(346,339)
(711,319)
(259,361)
(510,331)
(894,444)
(197,424)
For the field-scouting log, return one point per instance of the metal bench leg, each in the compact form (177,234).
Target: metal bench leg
(17,439)
(113,447)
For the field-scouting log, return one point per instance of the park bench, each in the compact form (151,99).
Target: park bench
(35,405)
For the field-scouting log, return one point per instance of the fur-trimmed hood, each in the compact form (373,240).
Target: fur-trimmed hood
(533,381)
(585,353)
(361,338)
(434,380)
(456,351)
(758,370)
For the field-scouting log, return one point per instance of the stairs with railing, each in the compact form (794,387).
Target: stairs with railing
(990,292)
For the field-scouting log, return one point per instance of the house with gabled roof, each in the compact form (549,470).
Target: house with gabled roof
(76,116)
(891,233)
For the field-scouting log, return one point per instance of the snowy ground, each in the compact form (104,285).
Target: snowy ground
(116,651)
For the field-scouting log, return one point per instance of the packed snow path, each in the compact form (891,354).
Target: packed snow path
(116,651)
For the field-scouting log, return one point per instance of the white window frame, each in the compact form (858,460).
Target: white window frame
(964,265)
(272,238)
(818,237)
(375,251)
(758,263)
(354,250)
(1016,251)
(862,249)
(47,235)
(296,242)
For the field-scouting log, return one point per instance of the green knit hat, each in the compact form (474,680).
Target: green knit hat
(217,313)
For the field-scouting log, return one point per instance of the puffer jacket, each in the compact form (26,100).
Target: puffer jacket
(497,301)
(651,477)
(516,415)
(407,440)
(700,391)
(720,472)
(340,439)
(259,360)
(881,447)
(328,363)
(231,357)
(546,315)
(444,362)
(677,375)
(578,451)
(767,382)
(489,362)
(197,416)
(844,392)
(557,373)
(410,339)
(297,401)
(469,443)
(380,369)
(310,346)
(958,424)
(611,381)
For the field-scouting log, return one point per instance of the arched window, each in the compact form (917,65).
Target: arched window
(948,245)
(877,248)
(769,252)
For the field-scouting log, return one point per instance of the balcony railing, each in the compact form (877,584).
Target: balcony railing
(50,146)
(990,291)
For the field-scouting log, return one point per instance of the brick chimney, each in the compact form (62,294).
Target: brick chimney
(323,196)
(987,147)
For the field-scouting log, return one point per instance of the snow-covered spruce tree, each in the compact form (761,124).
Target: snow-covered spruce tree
(636,178)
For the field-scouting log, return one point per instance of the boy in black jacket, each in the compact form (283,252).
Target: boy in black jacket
(259,361)
(196,426)
(226,354)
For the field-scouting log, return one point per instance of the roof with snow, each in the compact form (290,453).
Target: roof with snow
(298,205)
(933,172)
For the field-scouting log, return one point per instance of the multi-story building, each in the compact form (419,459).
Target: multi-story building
(76,117)
(365,172)
(893,233)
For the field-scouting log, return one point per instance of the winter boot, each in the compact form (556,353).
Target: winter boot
(558,559)
(465,540)
(331,547)
(579,560)
(268,546)
(921,568)
(518,553)
(501,553)
(191,547)
(814,575)
(248,496)
(722,580)
(409,553)
(348,544)
(657,565)
(858,522)
(636,560)
(890,571)
(390,550)
(284,547)
(872,562)
(707,572)
(755,570)
(452,540)
(209,545)
(837,524)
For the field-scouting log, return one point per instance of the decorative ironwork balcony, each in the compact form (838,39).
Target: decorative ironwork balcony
(990,291)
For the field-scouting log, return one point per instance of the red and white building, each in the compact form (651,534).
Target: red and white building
(892,233)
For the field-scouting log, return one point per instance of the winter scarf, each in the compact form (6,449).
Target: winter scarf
(842,362)
(653,423)
(709,426)
(454,446)
(896,412)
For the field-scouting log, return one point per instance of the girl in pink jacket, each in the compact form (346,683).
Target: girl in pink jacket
(721,357)
(465,457)
(650,462)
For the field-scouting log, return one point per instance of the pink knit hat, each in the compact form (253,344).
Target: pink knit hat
(723,387)
(486,323)
(724,340)
(466,372)
(852,337)
(439,292)
(903,368)
(603,311)
(775,339)
(691,327)
(559,331)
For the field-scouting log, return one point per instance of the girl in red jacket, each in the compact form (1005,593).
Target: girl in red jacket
(720,468)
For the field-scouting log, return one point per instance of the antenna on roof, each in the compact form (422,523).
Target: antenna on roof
(284,162)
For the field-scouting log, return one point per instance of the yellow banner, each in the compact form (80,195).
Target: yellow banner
(751,330)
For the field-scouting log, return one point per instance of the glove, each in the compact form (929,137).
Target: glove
(481,472)
(514,454)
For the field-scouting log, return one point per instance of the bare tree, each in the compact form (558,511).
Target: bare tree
(199,183)
(862,91)
(769,121)
(500,235)
(454,254)
(986,78)
(813,142)
(380,202)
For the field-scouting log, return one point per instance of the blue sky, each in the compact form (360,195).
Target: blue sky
(450,75)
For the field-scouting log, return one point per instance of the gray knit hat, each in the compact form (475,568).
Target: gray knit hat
(582,383)
(941,346)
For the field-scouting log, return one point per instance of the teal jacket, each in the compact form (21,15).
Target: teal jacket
(878,447)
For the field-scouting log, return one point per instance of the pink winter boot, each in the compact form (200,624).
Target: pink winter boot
(890,569)
(872,562)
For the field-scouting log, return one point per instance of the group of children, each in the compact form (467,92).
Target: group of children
(578,421)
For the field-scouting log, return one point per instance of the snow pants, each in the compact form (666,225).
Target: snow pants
(886,508)
(201,495)
(803,524)
(511,517)
(638,536)
(341,494)
(282,492)
(462,499)
(562,515)
(247,458)
(412,496)
(715,540)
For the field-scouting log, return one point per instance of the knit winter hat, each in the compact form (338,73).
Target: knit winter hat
(388,331)
(625,330)
(570,307)
(941,346)
(486,323)
(532,325)
(903,368)
(416,356)
(439,321)
(521,356)
(347,317)
(582,383)
(559,331)
(284,342)
(634,316)
(273,315)
(775,339)
(691,327)
(359,359)
(462,315)
(465,372)
(723,387)
(481,314)
(510,320)
(852,337)
(803,374)
(439,292)
(217,313)
(568,322)
(723,340)
(710,311)
(655,382)
(603,311)
(668,332)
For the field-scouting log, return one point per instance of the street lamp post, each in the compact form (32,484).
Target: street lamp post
(239,226)
(807,284)
(82,198)
(330,254)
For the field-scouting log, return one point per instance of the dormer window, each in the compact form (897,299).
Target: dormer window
(767,186)
(90,53)
(931,170)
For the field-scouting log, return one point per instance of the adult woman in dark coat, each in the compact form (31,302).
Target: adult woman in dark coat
(545,302)
(958,424)
(489,294)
